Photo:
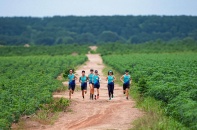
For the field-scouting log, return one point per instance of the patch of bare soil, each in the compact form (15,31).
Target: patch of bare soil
(26,45)
(93,48)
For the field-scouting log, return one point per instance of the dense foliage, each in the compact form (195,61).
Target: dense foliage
(95,29)
(171,78)
(43,50)
(27,82)
(184,45)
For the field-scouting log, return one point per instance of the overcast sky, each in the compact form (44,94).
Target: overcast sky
(40,8)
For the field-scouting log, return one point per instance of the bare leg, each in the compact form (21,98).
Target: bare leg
(127,93)
(70,91)
(97,93)
(90,90)
(83,94)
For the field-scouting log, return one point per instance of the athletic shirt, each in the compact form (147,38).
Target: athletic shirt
(127,78)
(71,77)
(110,78)
(96,79)
(90,76)
(83,79)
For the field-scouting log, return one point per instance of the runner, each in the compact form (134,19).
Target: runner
(83,80)
(96,82)
(126,79)
(90,78)
(110,78)
(71,78)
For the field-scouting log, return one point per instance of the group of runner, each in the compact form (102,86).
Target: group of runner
(94,83)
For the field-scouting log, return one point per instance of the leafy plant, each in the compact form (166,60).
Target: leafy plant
(170,78)
(27,82)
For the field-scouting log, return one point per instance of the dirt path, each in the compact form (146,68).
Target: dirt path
(117,113)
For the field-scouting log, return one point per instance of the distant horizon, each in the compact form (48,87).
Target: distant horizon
(95,16)
(45,8)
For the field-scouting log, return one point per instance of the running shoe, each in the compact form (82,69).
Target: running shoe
(127,98)
(110,98)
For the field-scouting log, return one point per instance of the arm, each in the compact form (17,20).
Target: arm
(75,78)
(87,79)
(80,79)
(106,78)
(130,80)
(99,79)
(121,79)
(114,78)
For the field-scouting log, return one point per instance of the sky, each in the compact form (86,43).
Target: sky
(45,8)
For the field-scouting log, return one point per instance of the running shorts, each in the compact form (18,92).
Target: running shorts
(72,85)
(126,85)
(97,85)
(84,86)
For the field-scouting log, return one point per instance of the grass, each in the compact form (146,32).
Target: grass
(154,118)
(93,52)
(47,114)
(61,89)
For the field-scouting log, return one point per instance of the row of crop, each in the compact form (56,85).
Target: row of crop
(171,78)
(43,50)
(186,45)
(27,82)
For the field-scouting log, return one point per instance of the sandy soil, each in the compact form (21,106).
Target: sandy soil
(100,114)
(93,48)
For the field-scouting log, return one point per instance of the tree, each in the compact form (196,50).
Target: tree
(108,36)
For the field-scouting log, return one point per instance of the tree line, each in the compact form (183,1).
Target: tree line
(95,29)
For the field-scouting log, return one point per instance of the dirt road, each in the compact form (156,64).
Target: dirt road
(100,114)
(117,113)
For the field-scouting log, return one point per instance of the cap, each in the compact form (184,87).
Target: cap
(96,71)
(110,71)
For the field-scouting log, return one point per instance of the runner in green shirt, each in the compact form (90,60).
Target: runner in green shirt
(126,79)
(91,84)
(83,80)
(71,78)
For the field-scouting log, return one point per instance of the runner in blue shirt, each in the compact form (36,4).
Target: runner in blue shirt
(83,80)
(71,80)
(96,81)
(110,78)
(126,79)
(91,84)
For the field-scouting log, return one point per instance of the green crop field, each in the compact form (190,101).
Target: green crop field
(166,72)
(26,82)
(170,78)
(43,50)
